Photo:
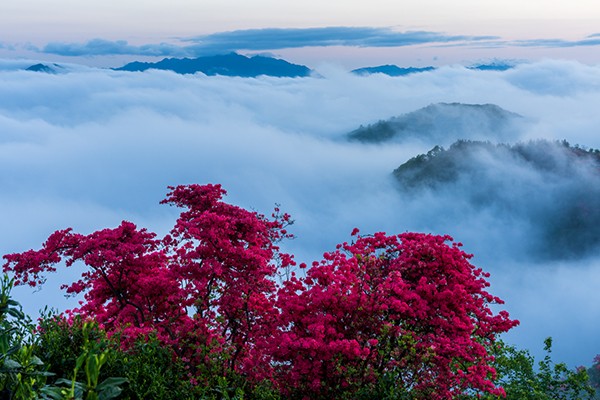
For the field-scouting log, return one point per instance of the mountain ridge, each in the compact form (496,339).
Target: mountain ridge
(444,123)
(549,187)
(235,64)
(391,70)
(231,64)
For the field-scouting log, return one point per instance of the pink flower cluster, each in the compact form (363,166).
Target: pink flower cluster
(409,306)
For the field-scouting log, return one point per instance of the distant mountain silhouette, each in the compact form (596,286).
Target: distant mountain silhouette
(494,66)
(394,70)
(391,70)
(42,68)
(549,187)
(444,123)
(232,64)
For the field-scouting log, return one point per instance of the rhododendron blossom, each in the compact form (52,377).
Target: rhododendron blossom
(209,281)
(407,307)
(410,306)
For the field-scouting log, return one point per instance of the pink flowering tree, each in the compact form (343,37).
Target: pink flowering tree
(405,313)
(409,309)
(207,289)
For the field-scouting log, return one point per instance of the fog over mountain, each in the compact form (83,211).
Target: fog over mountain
(39,67)
(547,191)
(394,70)
(443,123)
(91,147)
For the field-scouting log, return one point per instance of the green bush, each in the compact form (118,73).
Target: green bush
(518,375)
(22,373)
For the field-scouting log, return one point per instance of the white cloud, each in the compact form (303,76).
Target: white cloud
(90,147)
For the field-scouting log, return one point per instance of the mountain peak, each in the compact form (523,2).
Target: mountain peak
(391,70)
(549,187)
(444,123)
(41,68)
(232,64)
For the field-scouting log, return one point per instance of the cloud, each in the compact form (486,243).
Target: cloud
(288,38)
(547,190)
(101,47)
(7,46)
(591,40)
(262,39)
(90,147)
(280,38)
(556,78)
(11,65)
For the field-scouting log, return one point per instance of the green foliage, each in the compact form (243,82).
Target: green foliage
(22,373)
(82,352)
(90,361)
(87,361)
(61,342)
(594,374)
(149,368)
(236,387)
(550,381)
(153,372)
(385,388)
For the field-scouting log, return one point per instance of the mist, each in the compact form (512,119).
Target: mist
(87,148)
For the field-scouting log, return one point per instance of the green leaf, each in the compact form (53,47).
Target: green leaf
(9,364)
(110,393)
(80,360)
(35,360)
(63,381)
(92,370)
(52,392)
(43,373)
(113,381)
(16,313)
(12,350)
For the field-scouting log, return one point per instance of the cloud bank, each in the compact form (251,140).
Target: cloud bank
(261,39)
(102,47)
(278,38)
(548,192)
(91,147)
(591,40)
(291,38)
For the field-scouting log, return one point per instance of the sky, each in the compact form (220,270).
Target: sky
(311,32)
(89,147)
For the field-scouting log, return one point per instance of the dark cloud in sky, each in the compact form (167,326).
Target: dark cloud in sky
(592,40)
(286,38)
(262,39)
(280,38)
(90,147)
(99,47)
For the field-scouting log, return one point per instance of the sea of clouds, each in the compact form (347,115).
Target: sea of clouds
(87,148)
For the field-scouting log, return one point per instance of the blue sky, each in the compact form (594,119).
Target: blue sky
(349,33)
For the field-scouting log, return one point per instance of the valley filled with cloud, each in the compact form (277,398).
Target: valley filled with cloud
(87,148)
